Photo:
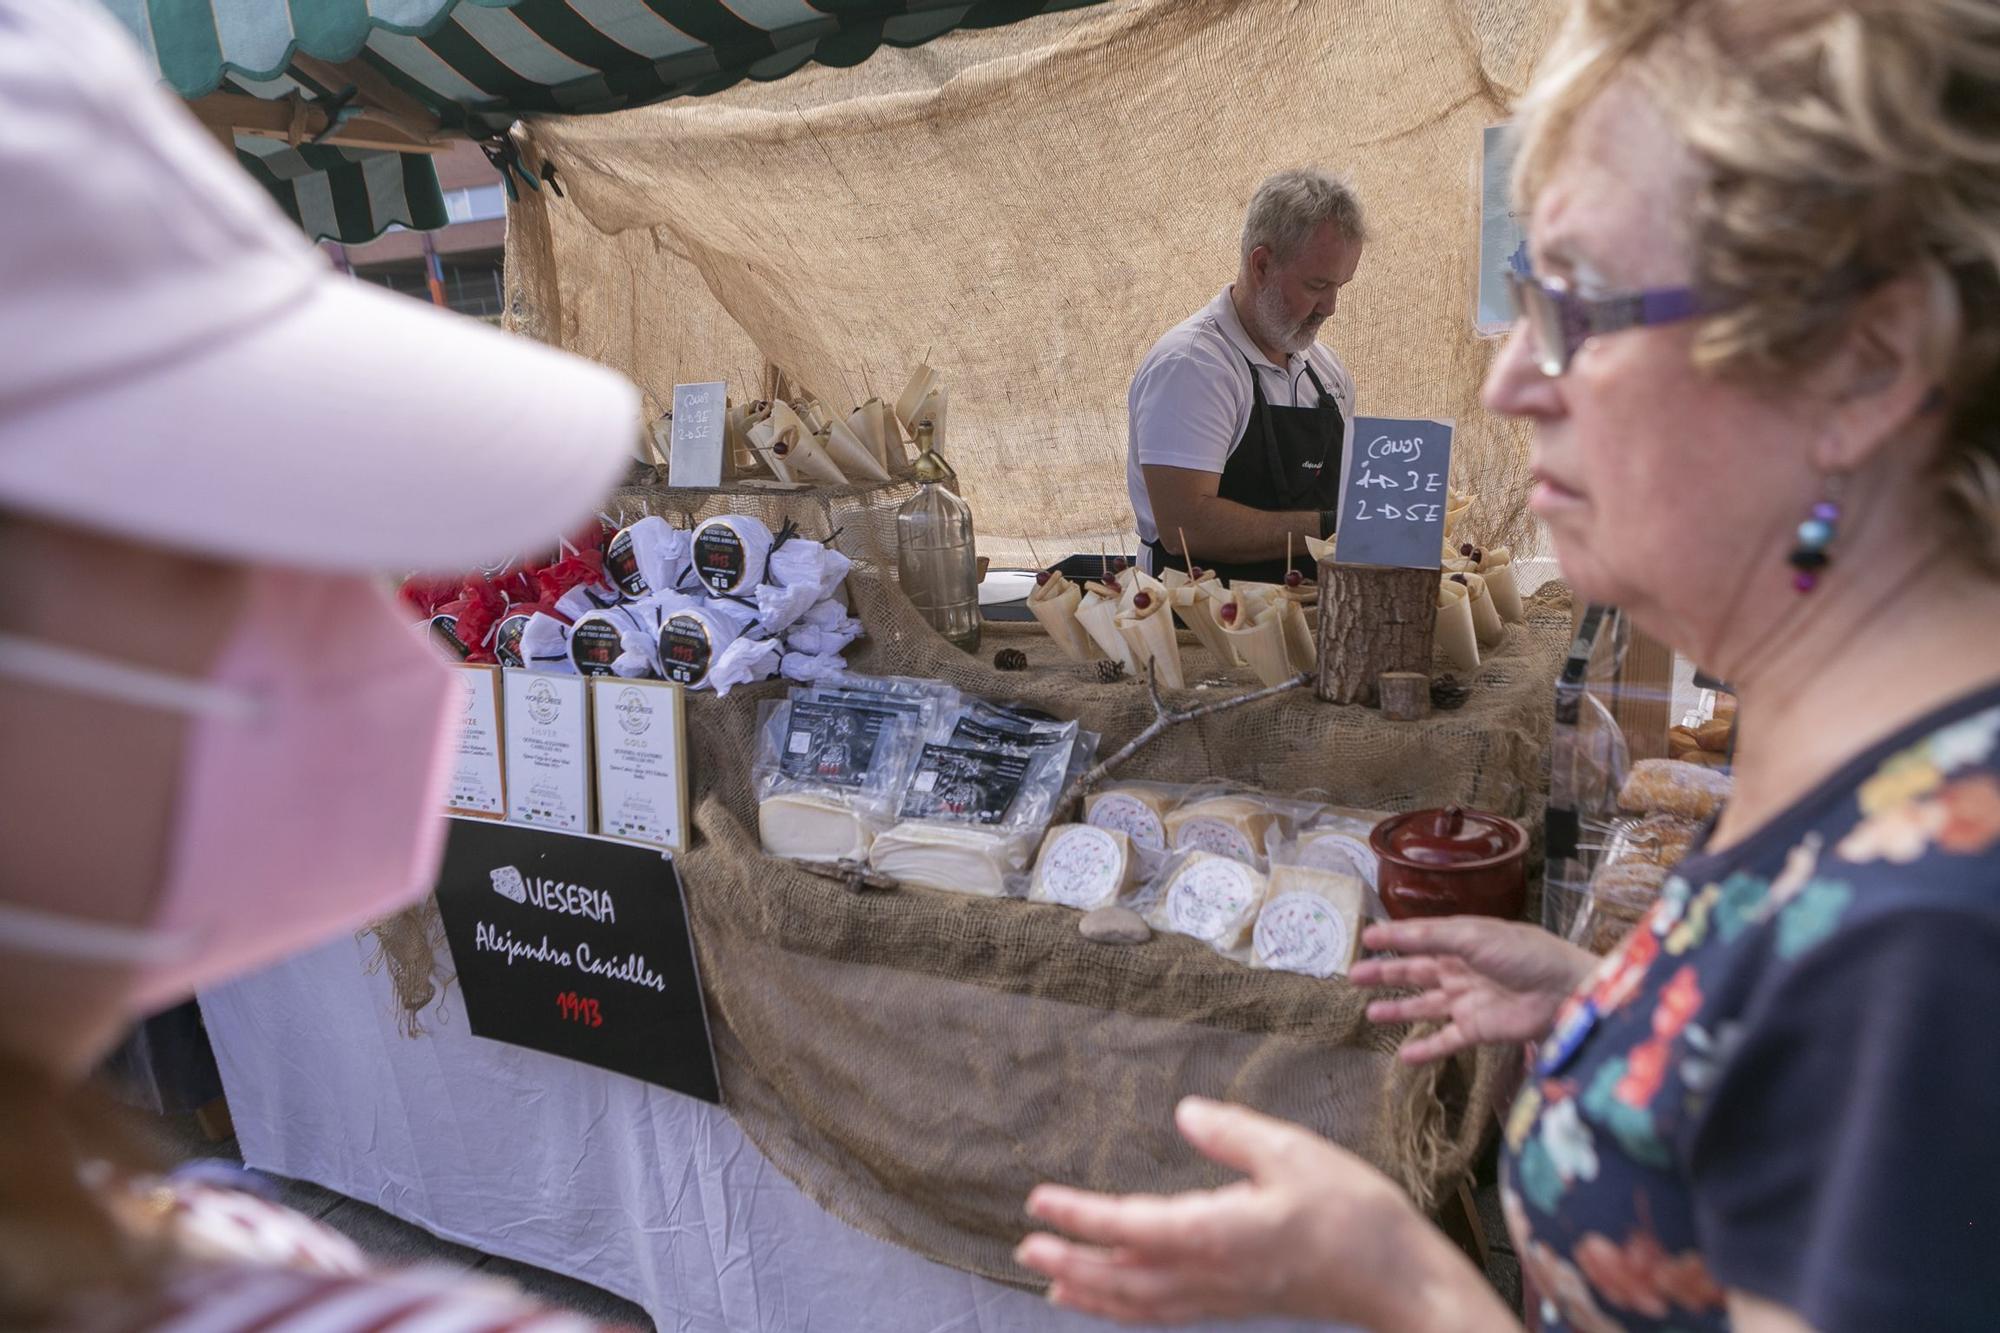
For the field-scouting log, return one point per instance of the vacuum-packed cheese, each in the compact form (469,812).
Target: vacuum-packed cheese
(1310,923)
(1341,853)
(1225,825)
(802,827)
(1084,867)
(1138,813)
(1215,899)
(958,858)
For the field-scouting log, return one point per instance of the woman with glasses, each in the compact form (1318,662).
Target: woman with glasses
(1759,348)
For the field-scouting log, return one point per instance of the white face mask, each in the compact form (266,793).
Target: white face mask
(309,792)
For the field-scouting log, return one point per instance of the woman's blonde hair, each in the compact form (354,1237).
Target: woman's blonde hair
(1838,144)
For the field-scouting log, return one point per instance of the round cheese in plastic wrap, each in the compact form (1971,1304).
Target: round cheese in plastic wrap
(1083,867)
(1213,898)
(729,554)
(648,557)
(1137,812)
(1340,852)
(545,645)
(1226,825)
(690,641)
(1311,923)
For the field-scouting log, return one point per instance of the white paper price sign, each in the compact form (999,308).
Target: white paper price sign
(478,778)
(548,750)
(642,781)
(1393,500)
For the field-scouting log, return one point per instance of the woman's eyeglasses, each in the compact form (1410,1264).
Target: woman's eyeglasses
(1560,322)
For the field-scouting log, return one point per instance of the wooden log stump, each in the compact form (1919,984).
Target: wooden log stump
(1372,619)
(1406,696)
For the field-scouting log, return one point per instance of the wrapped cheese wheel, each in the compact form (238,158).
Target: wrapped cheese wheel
(1310,923)
(744,661)
(1213,898)
(1147,627)
(1486,621)
(1257,638)
(597,641)
(509,633)
(852,454)
(1340,853)
(692,640)
(1098,615)
(811,827)
(545,644)
(1053,602)
(1456,636)
(1140,813)
(958,858)
(1233,826)
(815,564)
(1497,566)
(647,557)
(1084,867)
(729,554)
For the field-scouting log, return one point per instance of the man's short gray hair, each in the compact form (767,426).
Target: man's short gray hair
(1290,206)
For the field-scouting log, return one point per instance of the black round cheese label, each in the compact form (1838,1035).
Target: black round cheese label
(622,563)
(507,641)
(594,645)
(444,633)
(685,650)
(719,559)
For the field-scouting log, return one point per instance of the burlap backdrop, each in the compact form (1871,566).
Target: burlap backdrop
(1030,208)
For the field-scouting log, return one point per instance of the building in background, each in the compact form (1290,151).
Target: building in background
(463,258)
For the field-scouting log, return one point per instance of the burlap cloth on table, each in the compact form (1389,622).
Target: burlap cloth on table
(916,1061)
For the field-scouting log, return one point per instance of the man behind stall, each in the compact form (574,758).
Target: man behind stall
(1239,417)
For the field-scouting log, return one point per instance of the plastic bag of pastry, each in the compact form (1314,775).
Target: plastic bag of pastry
(852,454)
(1098,614)
(1085,867)
(1234,826)
(648,556)
(1621,893)
(1147,626)
(1670,786)
(1214,899)
(1256,637)
(729,554)
(1310,922)
(1139,810)
(1456,635)
(1053,602)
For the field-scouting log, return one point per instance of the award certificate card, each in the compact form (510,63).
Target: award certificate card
(642,781)
(547,727)
(478,779)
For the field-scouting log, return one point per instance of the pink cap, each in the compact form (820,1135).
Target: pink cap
(182,367)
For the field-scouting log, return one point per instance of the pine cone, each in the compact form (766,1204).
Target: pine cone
(1010,659)
(1110,671)
(1447,694)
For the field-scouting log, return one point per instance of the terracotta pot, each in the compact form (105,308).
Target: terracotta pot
(1451,861)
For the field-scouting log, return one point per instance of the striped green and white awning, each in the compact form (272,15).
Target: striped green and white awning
(478,65)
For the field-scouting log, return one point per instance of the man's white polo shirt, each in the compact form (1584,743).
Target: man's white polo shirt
(1191,400)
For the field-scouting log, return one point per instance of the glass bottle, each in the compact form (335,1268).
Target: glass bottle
(934,550)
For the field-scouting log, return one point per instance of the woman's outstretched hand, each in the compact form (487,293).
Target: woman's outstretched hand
(1490,982)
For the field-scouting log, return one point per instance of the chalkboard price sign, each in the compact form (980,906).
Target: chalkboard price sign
(1393,500)
(579,947)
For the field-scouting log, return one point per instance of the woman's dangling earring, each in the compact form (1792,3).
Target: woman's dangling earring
(1809,558)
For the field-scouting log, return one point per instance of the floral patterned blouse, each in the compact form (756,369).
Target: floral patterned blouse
(1787,1079)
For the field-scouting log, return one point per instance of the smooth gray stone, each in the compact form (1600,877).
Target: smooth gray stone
(1115,925)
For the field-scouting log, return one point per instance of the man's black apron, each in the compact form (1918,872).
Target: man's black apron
(1288,459)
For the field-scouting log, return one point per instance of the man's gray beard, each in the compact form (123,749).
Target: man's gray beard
(1271,319)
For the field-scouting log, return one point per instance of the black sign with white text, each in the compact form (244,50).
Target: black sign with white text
(578,947)
(1393,500)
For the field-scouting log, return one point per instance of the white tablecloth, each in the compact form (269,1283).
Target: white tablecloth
(648,1194)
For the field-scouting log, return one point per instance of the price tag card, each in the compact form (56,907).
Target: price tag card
(642,781)
(1393,496)
(547,727)
(478,779)
(698,442)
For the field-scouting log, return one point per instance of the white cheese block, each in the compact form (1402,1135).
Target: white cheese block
(1215,899)
(813,828)
(1230,826)
(1084,867)
(1342,853)
(953,857)
(1311,922)
(1139,814)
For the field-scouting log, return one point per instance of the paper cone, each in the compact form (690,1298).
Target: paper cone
(935,408)
(1455,506)
(1261,646)
(1455,635)
(764,440)
(1173,580)
(883,427)
(1195,606)
(1485,617)
(1319,548)
(1054,604)
(1099,618)
(864,424)
(1135,581)
(813,413)
(922,381)
(1150,636)
(1298,637)
(1498,567)
(855,458)
(810,460)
